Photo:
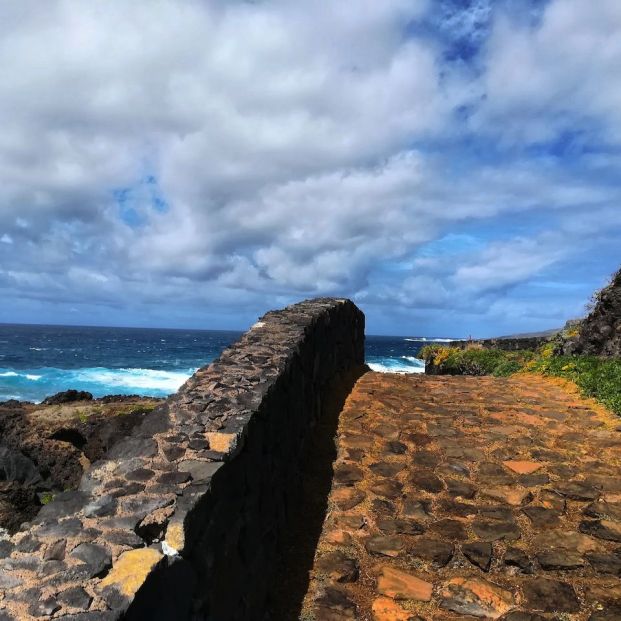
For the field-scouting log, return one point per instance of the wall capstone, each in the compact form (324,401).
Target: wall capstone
(183,518)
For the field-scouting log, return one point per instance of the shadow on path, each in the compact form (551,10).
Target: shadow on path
(291,580)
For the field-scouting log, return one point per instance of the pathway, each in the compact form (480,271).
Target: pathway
(465,498)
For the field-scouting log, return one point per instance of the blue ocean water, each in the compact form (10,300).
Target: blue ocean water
(38,361)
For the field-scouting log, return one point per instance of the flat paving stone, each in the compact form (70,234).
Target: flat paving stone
(470,498)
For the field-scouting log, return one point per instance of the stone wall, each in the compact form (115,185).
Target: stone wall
(183,519)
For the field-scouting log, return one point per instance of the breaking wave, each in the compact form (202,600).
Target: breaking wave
(36,384)
(402,364)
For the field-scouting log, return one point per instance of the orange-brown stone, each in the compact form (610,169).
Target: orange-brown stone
(386,609)
(513,496)
(401,585)
(522,467)
(476,597)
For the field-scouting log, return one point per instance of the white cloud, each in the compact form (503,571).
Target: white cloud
(213,152)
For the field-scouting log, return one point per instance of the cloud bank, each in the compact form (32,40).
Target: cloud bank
(454,167)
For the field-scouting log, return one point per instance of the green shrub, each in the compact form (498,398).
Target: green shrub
(599,378)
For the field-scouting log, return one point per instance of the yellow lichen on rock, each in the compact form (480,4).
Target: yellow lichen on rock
(131,569)
(222,442)
(175,536)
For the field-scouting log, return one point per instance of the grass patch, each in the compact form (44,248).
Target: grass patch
(599,378)
(143,408)
(46,497)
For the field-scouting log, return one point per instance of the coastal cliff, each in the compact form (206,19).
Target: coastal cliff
(599,334)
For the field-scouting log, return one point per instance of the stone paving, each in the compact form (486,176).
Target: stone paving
(465,498)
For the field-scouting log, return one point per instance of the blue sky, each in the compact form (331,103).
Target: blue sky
(453,166)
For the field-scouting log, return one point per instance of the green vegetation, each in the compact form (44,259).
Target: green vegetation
(46,497)
(143,408)
(599,378)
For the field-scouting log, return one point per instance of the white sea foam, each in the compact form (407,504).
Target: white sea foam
(424,339)
(8,374)
(134,379)
(32,377)
(404,364)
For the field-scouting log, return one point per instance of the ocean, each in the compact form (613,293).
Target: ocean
(38,361)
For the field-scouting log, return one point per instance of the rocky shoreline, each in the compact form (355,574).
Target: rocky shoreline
(46,447)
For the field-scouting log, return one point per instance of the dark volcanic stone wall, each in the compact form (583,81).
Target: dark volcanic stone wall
(184,518)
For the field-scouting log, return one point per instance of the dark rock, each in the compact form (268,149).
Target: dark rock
(453,530)
(464,489)
(174,478)
(494,474)
(64,504)
(201,471)
(197,444)
(347,498)
(496,530)
(388,488)
(515,557)
(100,507)
(28,544)
(6,547)
(55,551)
(128,489)
(396,447)
(97,558)
(416,508)
(143,505)
(456,508)
(437,552)
(70,527)
(542,517)
(479,553)
(75,597)
(606,563)
(599,334)
(426,458)
(426,481)
(504,514)
(67,396)
(140,474)
(124,538)
(386,469)
(604,510)
(602,529)
(384,545)
(50,568)
(44,608)
(550,596)
(133,447)
(173,453)
(338,567)
(577,490)
(560,559)
(524,616)
(533,480)
(7,581)
(392,526)
(334,605)
(16,467)
(348,474)
(383,507)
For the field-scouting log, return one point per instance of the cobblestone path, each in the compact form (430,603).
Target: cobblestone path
(468,498)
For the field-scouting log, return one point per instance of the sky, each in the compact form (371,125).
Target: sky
(453,166)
